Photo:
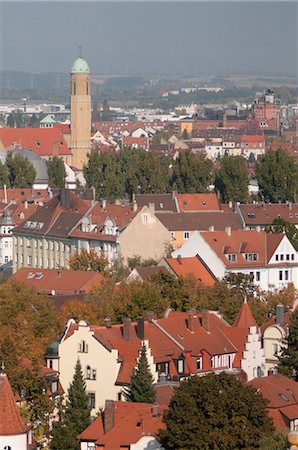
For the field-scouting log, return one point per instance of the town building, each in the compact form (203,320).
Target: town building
(270,259)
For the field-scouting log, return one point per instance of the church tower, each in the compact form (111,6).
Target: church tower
(80,113)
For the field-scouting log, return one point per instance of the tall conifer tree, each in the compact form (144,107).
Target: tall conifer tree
(288,360)
(141,388)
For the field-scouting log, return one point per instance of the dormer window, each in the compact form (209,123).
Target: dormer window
(251,256)
(232,257)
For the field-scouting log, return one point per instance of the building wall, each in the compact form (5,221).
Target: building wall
(147,442)
(16,442)
(6,244)
(273,342)
(98,358)
(145,236)
(253,359)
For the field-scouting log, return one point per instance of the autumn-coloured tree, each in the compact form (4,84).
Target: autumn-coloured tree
(88,260)
(76,309)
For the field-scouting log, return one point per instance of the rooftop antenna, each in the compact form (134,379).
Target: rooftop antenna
(80,51)
(2,366)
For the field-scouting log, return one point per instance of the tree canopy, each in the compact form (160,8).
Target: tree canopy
(56,173)
(88,260)
(141,388)
(215,411)
(75,417)
(21,172)
(232,179)
(277,174)
(288,360)
(279,225)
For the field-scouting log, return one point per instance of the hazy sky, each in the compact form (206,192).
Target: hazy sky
(150,37)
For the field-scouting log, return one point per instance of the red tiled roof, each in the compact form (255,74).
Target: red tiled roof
(198,202)
(60,281)
(282,394)
(245,318)
(11,422)
(266,213)
(192,266)
(42,141)
(132,421)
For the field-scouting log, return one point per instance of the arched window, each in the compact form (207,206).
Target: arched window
(88,372)
(74,87)
(87,87)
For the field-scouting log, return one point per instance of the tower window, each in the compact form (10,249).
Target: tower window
(87,87)
(74,88)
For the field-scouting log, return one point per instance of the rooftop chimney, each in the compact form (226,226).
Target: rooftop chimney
(109,415)
(211,228)
(150,316)
(134,206)
(179,259)
(141,328)
(230,204)
(229,231)
(190,319)
(107,322)
(127,329)
(155,410)
(103,203)
(279,314)
(206,321)
(65,198)
(151,207)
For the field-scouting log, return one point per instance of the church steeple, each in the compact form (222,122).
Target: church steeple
(245,318)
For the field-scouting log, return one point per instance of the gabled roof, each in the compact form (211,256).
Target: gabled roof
(132,421)
(192,266)
(60,281)
(266,213)
(11,422)
(162,202)
(282,394)
(198,202)
(43,141)
(202,221)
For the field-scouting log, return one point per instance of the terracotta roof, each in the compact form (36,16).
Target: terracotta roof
(21,195)
(198,202)
(245,318)
(63,282)
(192,266)
(266,213)
(282,394)
(162,202)
(11,422)
(284,324)
(132,421)
(42,141)
(146,272)
(200,221)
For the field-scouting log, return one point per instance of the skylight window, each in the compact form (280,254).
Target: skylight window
(283,397)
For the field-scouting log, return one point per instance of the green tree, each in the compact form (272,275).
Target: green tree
(185,135)
(277,174)
(21,171)
(191,173)
(215,411)
(141,388)
(279,225)
(106,115)
(103,172)
(10,122)
(232,179)
(288,360)
(4,179)
(34,121)
(76,415)
(56,173)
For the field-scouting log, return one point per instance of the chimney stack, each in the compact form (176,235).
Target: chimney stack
(151,207)
(211,228)
(179,259)
(229,231)
(279,314)
(65,198)
(206,321)
(127,329)
(155,410)
(134,206)
(103,203)
(107,322)
(141,328)
(150,316)
(109,415)
(191,319)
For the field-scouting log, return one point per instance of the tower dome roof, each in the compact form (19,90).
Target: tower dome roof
(80,65)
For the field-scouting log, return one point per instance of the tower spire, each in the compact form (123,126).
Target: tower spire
(80,51)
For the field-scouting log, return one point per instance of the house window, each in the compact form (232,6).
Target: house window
(251,256)
(29,260)
(88,372)
(180,366)
(280,275)
(162,367)
(94,374)
(232,257)
(286,275)
(186,234)
(276,257)
(274,349)
(281,257)
(91,399)
(145,218)
(199,363)
(258,276)
(287,257)
(54,387)
(172,234)
(83,347)
(292,256)
(50,363)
